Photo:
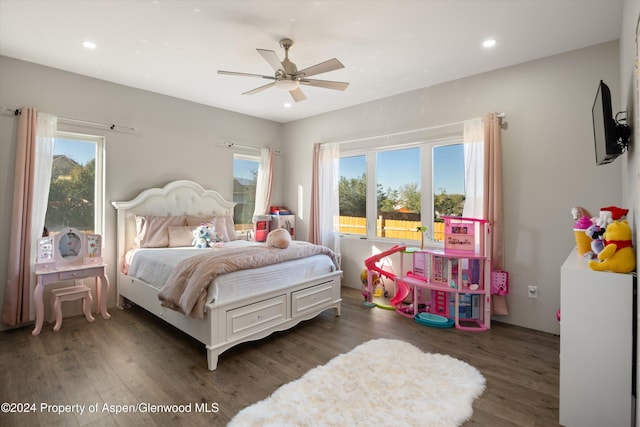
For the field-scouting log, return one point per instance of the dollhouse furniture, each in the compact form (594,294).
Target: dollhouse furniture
(72,293)
(457,279)
(69,255)
(597,366)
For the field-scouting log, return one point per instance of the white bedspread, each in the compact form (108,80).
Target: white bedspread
(153,266)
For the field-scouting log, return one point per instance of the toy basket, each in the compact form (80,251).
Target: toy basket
(499,283)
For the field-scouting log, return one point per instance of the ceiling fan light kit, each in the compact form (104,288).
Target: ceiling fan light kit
(287,84)
(288,77)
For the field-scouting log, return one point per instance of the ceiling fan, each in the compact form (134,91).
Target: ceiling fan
(288,77)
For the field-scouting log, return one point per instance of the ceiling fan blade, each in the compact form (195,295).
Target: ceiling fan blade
(298,95)
(327,84)
(323,67)
(260,89)
(271,57)
(233,73)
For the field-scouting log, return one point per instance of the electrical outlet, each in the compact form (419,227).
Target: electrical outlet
(533,292)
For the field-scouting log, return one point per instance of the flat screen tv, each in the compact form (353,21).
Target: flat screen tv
(610,137)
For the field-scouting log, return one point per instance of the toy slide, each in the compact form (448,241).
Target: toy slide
(402,291)
(404,287)
(370,264)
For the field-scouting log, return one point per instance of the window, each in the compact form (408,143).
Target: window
(245,176)
(389,192)
(76,191)
(352,189)
(398,193)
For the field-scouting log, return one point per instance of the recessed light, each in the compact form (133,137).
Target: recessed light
(489,43)
(89,45)
(287,105)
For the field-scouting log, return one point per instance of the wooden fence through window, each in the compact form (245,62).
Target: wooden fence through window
(390,228)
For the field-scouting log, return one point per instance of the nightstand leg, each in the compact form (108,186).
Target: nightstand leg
(102,294)
(37,301)
(86,307)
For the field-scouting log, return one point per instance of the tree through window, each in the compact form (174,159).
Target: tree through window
(76,186)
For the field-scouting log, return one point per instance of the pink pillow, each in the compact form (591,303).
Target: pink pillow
(180,236)
(219,223)
(153,231)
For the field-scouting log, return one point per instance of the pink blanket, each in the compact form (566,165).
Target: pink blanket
(186,288)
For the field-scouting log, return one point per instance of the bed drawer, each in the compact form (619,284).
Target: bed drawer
(252,318)
(311,298)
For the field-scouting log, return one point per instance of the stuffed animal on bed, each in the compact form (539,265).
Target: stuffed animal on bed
(618,254)
(205,236)
(279,238)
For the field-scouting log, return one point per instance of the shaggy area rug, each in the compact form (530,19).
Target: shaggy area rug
(380,382)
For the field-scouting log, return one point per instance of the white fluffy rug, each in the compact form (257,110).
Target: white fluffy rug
(380,382)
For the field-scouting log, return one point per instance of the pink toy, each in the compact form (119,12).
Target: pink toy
(403,289)
(370,264)
(499,283)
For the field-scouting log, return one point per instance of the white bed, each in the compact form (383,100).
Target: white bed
(241,306)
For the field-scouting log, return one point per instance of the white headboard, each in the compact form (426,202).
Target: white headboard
(181,197)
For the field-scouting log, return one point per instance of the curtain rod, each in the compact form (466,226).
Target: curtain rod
(233,145)
(110,126)
(390,135)
(240,146)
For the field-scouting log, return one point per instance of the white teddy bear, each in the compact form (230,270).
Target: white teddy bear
(205,235)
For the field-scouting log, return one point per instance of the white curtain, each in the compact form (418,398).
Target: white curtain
(473,168)
(263,182)
(46,129)
(325,210)
(483,188)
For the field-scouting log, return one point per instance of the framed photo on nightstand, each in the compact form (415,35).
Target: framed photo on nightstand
(94,249)
(45,259)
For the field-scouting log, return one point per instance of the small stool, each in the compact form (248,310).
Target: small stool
(71,293)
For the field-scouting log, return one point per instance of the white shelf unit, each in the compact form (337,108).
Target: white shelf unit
(597,341)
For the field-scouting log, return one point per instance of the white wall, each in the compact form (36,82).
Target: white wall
(175,139)
(548,158)
(630,101)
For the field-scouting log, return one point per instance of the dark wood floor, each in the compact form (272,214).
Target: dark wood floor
(134,357)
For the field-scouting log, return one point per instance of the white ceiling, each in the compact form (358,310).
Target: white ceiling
(387,46)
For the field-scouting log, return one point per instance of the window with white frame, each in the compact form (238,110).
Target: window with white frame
(389,192)
(76,190)
(245,177)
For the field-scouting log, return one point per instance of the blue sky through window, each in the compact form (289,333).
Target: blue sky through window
(246,169)
(80,151)
(396,166)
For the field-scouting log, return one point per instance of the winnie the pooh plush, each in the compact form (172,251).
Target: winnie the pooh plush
(618,255)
